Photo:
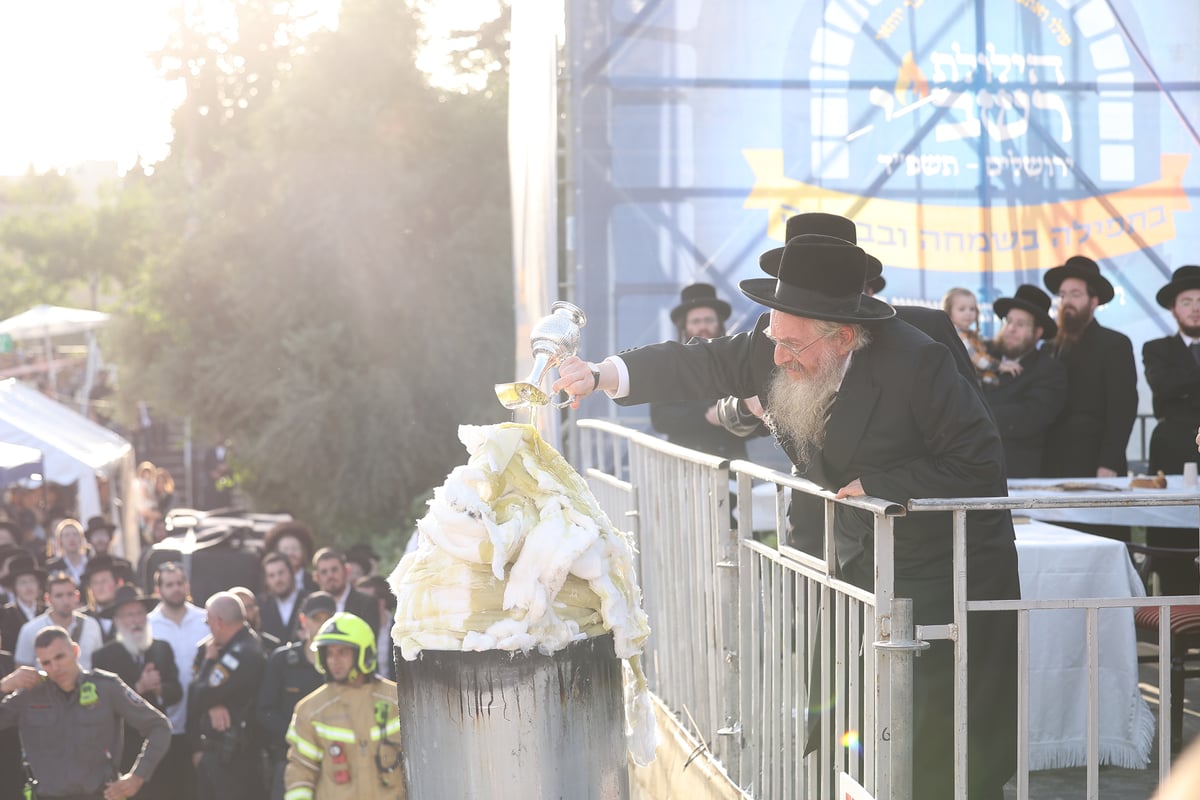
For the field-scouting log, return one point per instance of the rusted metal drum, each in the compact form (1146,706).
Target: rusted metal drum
(500,725)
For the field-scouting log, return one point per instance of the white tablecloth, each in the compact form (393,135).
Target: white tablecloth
(1057,563)
(1163,516)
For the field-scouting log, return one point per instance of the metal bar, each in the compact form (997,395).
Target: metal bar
(960,653)
(1093,704)
(1055,500)
(1022,705)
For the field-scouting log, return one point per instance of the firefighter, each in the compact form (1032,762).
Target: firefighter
(345,737)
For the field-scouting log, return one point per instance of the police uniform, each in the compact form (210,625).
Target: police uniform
(72,739)
(289,678)
(228,766)
(345,743)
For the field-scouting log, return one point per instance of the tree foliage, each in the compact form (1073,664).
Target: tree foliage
(337,297)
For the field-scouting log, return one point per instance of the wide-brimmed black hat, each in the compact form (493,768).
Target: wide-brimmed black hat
(127,594)
(98,523)
(699,295)
(1032,299)
(1087,271)
(810,222)
(820,277)
(23,565)
(877,283)
(121,569)
(1182,279)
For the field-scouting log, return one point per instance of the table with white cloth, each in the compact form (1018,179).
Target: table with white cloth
(1058,563)
(1176,516)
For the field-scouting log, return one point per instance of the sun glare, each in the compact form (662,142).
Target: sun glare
(442,18)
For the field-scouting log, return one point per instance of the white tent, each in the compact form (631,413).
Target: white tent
(75,450)
(44,323)
(18,462)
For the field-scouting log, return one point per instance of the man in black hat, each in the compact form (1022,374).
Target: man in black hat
(1032,387)
(1090,435)
(146,664)
(694,423)
(25,583)
(864,404)
(1173,373)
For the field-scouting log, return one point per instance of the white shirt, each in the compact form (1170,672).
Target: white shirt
(183,638)
(286,604)
(89,640)
(341,601)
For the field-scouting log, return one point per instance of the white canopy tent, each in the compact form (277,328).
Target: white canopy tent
(44,322)
(75,450)
(18,463)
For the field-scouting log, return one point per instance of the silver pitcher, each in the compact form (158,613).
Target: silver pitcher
(553,339)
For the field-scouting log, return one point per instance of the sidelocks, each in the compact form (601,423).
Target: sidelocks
(552,339)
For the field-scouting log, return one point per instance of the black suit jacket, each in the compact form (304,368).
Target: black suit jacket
(114,658)
(1025,406)
(364,607)
(11,620)
(685,424)
(1174,379)
(906,422)
(283,630)
(1093,429)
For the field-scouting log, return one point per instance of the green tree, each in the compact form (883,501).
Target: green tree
(342,298)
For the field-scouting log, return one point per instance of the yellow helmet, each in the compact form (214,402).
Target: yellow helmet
(347,629)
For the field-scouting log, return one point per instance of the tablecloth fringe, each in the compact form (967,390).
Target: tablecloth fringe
(1116,754)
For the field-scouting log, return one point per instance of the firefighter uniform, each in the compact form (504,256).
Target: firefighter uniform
(229,763)
(343,739)
(72,740)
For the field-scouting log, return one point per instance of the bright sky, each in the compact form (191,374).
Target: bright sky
(76,84)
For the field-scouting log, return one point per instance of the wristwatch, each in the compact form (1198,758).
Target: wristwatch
(595,368)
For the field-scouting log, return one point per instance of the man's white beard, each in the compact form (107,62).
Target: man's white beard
(798,404)
(135,644)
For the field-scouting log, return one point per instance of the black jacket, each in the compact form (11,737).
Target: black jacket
(1025,406)
(1174,379)
(114,658)
(1093,429)
(684,424)
(288,679)
(230,680)
(283,630)
(364,607)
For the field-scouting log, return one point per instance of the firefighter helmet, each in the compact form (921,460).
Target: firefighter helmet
(347,629)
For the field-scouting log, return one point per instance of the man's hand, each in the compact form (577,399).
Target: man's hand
(212,650)
(18,679)
(710,416)
(1105,472)
(218,717)
(1009,366)
(150,681)
(125,786)
(754,406)
(852,489)
(575,378)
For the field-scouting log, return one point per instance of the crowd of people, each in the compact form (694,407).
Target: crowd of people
(238,695)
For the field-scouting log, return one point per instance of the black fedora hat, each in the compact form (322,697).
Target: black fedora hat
(127,594)
(1087,271)
(699,295)
(1182,279)
(23,565)
(1032,299)
(98,523)
(817,222)
(820,277)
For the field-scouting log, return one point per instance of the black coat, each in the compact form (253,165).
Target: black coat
(1174,379)
(684,424)
(114,658)
(364,607)
(288,679)
(283,630)
(11,620)
(907,423)
(1025,406)
(1093,429)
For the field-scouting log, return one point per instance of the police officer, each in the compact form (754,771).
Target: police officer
(221,699)
(290,676)
(70,724)
(345,737)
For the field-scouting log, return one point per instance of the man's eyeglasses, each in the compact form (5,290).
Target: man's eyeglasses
(795,351)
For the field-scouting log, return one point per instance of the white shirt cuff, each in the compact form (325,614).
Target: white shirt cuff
(622,389)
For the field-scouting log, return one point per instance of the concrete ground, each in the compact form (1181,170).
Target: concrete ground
(1117,783)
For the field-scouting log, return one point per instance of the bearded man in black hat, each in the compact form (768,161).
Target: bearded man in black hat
(694,423)
(1173,373)
(1031,388)
(1089,437)
(865,404)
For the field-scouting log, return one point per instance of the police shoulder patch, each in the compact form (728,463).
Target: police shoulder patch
(219,675)
(134,697)
(230,661)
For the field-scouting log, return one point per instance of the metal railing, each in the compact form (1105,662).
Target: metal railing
(740,628)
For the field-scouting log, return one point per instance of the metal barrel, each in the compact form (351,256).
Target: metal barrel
(500,725)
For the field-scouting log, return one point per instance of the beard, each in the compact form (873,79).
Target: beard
(798,404)
(1071,324)
(135,643)
(1190,331)
(1013,352)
